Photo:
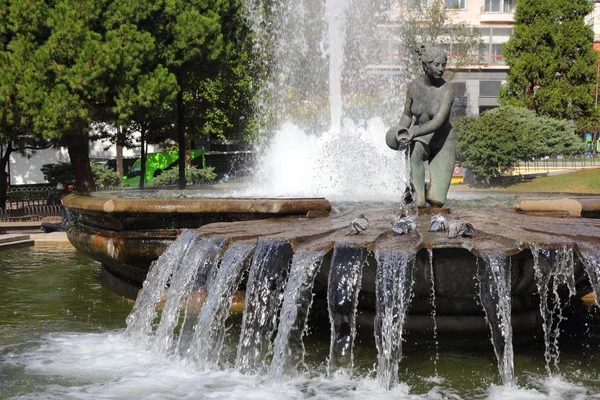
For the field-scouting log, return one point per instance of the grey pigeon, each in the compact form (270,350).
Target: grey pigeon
(404,225)
(457,228)
(438,223)
(358,225)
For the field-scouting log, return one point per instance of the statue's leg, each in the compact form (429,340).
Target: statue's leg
(418,154)
(441,168)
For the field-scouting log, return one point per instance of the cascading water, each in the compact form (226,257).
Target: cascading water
(190,279)
(263,297)
(433,312)
(141,320)
(204,342)
(288,351)
(554,268)
(342,298)
(393,292)
(494,281)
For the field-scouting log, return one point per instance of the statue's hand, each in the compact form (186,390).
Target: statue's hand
(403,136)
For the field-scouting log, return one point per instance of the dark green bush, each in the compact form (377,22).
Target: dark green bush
(193,176)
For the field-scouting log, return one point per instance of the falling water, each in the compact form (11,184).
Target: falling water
(263,297)
(288,351)
(554,267)
(140,321)
(342,298)
(433,312)
(204,344)
(394,292)
(591,262)
(494,293)
(189,282)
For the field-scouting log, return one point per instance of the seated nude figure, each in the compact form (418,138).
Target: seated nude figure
(430,135)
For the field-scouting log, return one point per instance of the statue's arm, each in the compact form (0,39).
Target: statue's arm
(439,119)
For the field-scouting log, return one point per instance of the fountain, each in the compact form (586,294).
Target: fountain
(183,255)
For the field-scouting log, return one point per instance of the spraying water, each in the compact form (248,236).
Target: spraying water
(327,111)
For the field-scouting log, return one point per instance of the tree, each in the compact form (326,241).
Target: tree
(204,46)
(551,59)
(496,141)
(17,133)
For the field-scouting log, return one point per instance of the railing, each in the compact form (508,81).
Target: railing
(556,164)
(32,204)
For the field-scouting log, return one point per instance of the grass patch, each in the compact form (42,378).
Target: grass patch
(587,181)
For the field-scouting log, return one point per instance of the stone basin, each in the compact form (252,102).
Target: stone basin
(105,229)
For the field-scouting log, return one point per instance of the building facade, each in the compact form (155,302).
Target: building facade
(476,84)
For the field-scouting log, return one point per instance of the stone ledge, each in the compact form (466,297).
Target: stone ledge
(564,207)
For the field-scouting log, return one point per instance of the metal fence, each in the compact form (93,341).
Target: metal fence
(31,204)
(556,164)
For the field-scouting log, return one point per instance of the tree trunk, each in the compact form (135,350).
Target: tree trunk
(4,176)
(142,157)
(595,144)
(119,157)
(181,138)
(79,152)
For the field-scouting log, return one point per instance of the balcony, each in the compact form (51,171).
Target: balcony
(488,16)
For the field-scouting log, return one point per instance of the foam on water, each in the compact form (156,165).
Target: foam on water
(111,365)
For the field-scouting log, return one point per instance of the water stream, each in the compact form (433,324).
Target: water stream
(394,292)
(288,352)
(554,268)
(342,298)
(203,341)
(495,295)
(263,296)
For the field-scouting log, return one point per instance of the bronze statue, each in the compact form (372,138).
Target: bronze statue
(431,138)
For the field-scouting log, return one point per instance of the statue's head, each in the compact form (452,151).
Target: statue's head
(430,55)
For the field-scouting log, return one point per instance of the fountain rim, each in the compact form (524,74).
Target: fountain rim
(233,205)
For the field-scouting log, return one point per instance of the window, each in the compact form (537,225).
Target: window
(506,6)
(489,88)
(455,3)
(417,3)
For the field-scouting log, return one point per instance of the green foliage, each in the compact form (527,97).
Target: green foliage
(62,173)
(105,177)
(500,138)
(58,173)
(193,176)
(551,58)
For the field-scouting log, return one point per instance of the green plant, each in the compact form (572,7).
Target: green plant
(104,177)
(58,173)
(193,176)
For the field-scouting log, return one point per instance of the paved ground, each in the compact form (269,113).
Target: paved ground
(25,238)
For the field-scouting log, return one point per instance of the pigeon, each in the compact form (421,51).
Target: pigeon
(404,225)
(463,229)
(438,223)
(358,225)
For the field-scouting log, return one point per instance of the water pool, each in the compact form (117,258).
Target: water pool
(61,337)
